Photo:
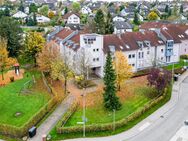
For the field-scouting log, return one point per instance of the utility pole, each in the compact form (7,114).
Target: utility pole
(84,112)
(114,119)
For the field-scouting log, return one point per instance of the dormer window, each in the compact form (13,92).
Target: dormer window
(147,43)
(140,44)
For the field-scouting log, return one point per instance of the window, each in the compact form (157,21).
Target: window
(133,55)
(139,55)
(93,50)
(97,49)
(161,58)
(161,50)
(133,65)
(93,59)
(185,50)
(142,54)
(97,59)
(147,52)
(129,55)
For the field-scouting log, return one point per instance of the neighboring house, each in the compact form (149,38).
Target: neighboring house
(71,18)
(143,49)
(20,15)
(122,27)
(118,18)
(86,10)
(42,19)
(151,26)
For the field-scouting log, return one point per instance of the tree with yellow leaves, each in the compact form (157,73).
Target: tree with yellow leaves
(122,68)
(34,43)
(152,16)
(51,14)
(45,58)
(60,70)
(5,61)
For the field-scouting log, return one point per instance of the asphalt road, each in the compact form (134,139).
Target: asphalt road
(166,127)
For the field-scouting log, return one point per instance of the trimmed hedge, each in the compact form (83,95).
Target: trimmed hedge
(107,126)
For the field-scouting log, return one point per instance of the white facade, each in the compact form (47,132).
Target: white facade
(86,10)
(120,31)
(73,19)
(117,18)
(42,19)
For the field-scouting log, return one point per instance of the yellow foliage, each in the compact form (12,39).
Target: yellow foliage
(51,14)
(152,16)
(122,68)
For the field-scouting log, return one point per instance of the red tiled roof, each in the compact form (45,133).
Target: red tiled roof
(149,25)
(63,33)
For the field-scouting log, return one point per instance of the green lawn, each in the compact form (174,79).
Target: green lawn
(98,114)
(26,104)
(178,65)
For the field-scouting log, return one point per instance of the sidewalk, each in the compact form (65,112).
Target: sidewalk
(50,122)
(152,119)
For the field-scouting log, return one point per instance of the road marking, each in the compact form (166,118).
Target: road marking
(181,134)
(144,126)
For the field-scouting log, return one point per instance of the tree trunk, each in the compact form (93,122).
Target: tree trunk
(2,74)
(65,85)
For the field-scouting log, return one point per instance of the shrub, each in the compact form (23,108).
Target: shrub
(184,56)
(12,79)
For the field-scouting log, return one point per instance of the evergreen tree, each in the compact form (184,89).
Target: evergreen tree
(111,101)
(21,7)
(166,9)
(32,8)
(136,20)
(109,29)
(181,9)
(66,10)
(169,12)
(99,22)
(7,12)
(10,30)
(34,19)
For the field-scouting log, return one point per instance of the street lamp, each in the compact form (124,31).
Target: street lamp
(84,113)
(114,119)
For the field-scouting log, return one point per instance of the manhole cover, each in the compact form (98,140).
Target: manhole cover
(17,114)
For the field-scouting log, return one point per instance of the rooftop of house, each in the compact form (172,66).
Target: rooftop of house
(123,25)
(69,14)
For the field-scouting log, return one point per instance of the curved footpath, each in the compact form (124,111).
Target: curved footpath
(166,124)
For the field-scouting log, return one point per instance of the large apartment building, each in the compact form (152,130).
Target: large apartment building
(143,49)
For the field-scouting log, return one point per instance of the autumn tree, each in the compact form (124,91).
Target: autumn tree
(159,79)
(60,70)
(152,16)
(5,61)
(51,14)
(45,58)
(111,101)
(122,68)
(34,42)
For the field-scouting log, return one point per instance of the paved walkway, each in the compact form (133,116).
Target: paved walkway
(153,118)
(51,121)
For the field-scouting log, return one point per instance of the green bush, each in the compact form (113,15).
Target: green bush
(184,56)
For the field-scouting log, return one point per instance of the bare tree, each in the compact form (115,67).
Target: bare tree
(83,63)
